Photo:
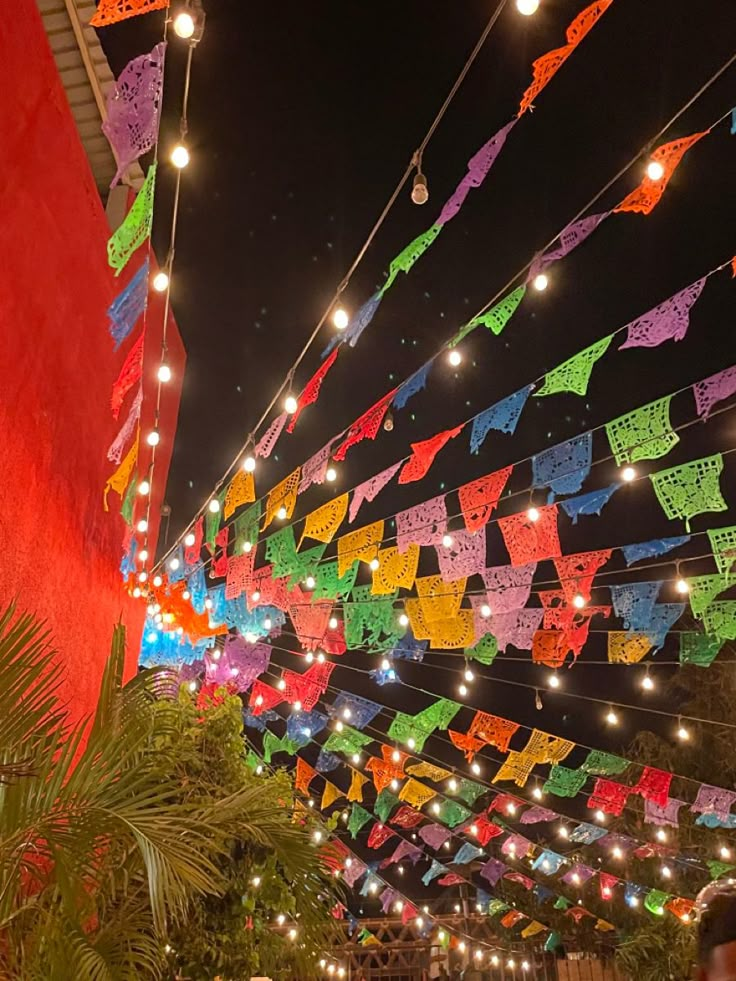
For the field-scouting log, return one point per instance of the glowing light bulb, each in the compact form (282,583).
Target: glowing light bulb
(469,676)
(578,601)
(452,784)
(628,474)
(247,546)
(511,964)
(682,734)
(682,587)
(403,620)
(617,853)
(153,438)
(256,881)
(461,946)
(541,282)
(525,965)
(310,582)
(634,901)
(563,832)
(419,190)
(281,684)
(441,936)
(454,357)
(292,934)
(136,593)
(532,514)
(214,506)
(396,756)
(435,808)
(281,513)
(537,793)
(318,836)
(255,596)
(511,809)
(725,853)
(180,156)
(164,373)
(157,581)
(475,768)
(356,758)
(373,565)
(600,816)
(189,539)
(267,623)
(331,475)
(186,594)
(291,404)
(142,525)
(143,555)
(160,282)
(554,681)
(462,690)
(646,683)
(394,785)
(184,25)
(309,657)
(666,872)
(612,718)
(655,170)
(297,706)
(321,657)
(340,318)
(385,665)
(174,564)
(142,576)
(447,541)
(249,463)
(494,960)
(661,835)
(411,742)
(208,604)
(485,611)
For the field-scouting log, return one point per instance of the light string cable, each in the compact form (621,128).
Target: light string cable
(569,857)
(634,160)
(344,283)
(526,491)
(163,372)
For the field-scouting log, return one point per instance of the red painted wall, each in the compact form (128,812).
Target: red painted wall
(59,550)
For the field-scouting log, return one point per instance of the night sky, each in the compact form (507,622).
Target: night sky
(302,118)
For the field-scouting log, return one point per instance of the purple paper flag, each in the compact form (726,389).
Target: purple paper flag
(535,815)
(424,524)
(508,587)
(667,815)
(134,109)
(516,845)
(387,898)
(404,850)
(239,664)
(354,871)
(569,239)
(714,800)
(465,557)
(493,870)
(314,470)
(578,874)
(434,835)
(478,168)
(667,322)
(712,390)
(270,437)
(117,447)
(369,489)
(516,628)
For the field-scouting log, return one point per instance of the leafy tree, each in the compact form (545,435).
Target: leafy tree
(115,837)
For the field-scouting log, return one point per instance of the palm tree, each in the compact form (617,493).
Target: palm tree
(104,852)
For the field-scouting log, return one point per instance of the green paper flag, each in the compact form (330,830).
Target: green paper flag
(452,813)
(272,744)
(496,318)
(604,764)
(690,489)
(136,226)
(306,564)
(469,791)
(406,259)
(703,590)
(281,551)
(562,903)
(484,652)
(723,544)
(330,585)
(347,741)
(368,619)
(385,804)
(564,782)
(359,817)
(656,900)
(644,434)
(720,620)
(413,730)
(212,521)
(129,500)
(574,374)
(553,942)
(497,906)
(717,869)
(246,527)
(699,649)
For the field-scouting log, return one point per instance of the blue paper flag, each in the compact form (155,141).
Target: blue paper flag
(326,762)
(357,325)
(302,726)
(467,853)
(259,722)
(634,603)
(197,588)
(563,468)
(435,869)
(664,617)
(652,549)
(168,647)
(586,834)
(127,563)
(502,416)
(177,569)
(590,503)
(548,862)
(409,649)
(411,386)
(356,711)
(127,306)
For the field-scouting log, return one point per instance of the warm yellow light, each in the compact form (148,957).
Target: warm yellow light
(291,404)
(628,474)
(340,318)
(142,525)
(646,683)
(184,25)
(190,539)
(655,170)
(374,564)
(180,156)
(144,488)
(153,438)
(532,514)
(403,620)
(455,358)
(682,587)
(485,611)
(161,282)
(447,541)
(554,681)
(164,373)
(281,513)
(612,718)
(214,506)
(249,464)
(527,7)
(578,601)
(541,282)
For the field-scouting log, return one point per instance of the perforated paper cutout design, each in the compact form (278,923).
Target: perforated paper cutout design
(720,620)
(577,572)
(723,545)
(360,545)
(627,648)
(609,796)
(570,237)
(311,390)
(564,782)
(368,619)
(466,556)
(112,11)
(241,490)
(563,468)
(270,437)
(478,167)
(119,481)
(648,194)
(440,600)
(452,633)
(395,570)
(324,522)
(128,305)
(690,489)
(516,767)
(424,524)
(130,373)
(574,374)
(645,434)
(366,426)
(496,318)
(283,495)
(531,541)
(136,226)
(369,489)
(502,416)
(634,603)
(423,455)
(713,390)
(115,452)
(545,748)
(654,785)
(700,649)
(667,322)
(507,587)
(516,629)
(479,498)
(591,503)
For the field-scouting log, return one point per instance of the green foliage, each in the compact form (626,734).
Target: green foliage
(113,846)
(658,950)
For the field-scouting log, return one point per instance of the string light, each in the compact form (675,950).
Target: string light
(600,817)
(373,565)
(725,853)
(310,582)
(447,541)
(249,463)
(143,555)
(469,676)
(403,620)
(617,853)
(144,488)
(628,474)
(661,835)
(184,25)
(331,475)
(537,793)
(476,769)
(485,611)
(419,190)
(332,623)
(540,282)
(214,506)
(666,872)
(578,601)
(611,717)
(247,546)
(396,756)
(527,7)
(180,156)
(290,404)
(646,682)
(190,539)
(164,373)
(153,438)
(532,514)
(356,758)
(554,681)
(655,170)
(563,832)
(462,690)
(340,318)
(157,581)
(682,733)
(455,357)
(161,281)
(174,564)
(411,742)
(682,586)
(281,513)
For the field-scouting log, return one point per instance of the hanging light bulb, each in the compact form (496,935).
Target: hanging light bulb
(537,793)
(447,541)
(600,816)
(563,832)
(537,700)
(267,623)
(153,438)
(189,539)
(469,676)
(180,156)
(247,546)
(331,475)
(321,657)
(356,758)
(309,657)
(532,514)
(143,555)
(628,474)
(419,190)
(394,785)
(388,421)
(249,463)
(310,582)
(186,595)
(332,623)
(475,767)
(157,581)
(142,525)
(291,404)
(373,565)
(455,357)
(403,620)
(554,681)
(611,717)
(214,506)
(682,586)
(462,690)
(281,513)
(540,282)
(144,488)
(527,7)
(682,733)
(164,373)
(578,601)
(655,170)
(340,318)
(725,853)
(385,664)
(616,852)
(136,593)
(161,281)
(661,835)
(452,784)
(646,682)
(396,756)
(666,872)
(184,25)
(485,611)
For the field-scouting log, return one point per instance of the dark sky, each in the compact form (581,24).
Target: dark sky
(302,118)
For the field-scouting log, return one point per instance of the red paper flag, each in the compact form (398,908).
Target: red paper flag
(311,389)
(423,455)
(365,427)
(530,540)
(479,498)
(648,194)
